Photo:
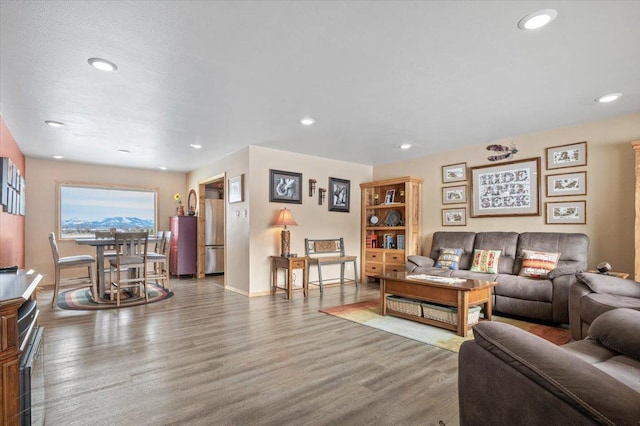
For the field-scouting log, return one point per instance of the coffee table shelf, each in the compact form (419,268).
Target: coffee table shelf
(462,295)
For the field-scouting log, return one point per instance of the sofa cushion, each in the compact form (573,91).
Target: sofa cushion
(538,264)
(506,242)
(600,283)
(524,288)
(470,275)
(449,258)
(463,240)
(593,305)
(573,247)
(618,330)
(485,261)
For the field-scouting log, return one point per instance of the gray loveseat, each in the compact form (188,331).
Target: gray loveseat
(543,299)
(509,376)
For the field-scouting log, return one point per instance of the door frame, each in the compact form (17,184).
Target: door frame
(200,240)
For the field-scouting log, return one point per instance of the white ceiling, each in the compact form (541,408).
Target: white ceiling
(374,74)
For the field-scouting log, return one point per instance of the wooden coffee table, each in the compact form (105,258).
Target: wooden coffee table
(461,294)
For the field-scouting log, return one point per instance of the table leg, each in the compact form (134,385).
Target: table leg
(274,277)
(289,282)
(383,299)
(487,306)
(463,313)
(100,272)
(305,281)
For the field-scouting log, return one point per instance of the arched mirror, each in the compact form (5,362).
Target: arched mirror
(192,202)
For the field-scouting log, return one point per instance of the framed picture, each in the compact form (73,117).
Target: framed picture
(454,173)
(567,184)
(285,187)
(572,155)
(454,217)
(507,189)
(339,195)
(236,189)
(454,194)
(566,213)
(390,196)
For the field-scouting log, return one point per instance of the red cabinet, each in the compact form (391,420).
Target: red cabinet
(182,253)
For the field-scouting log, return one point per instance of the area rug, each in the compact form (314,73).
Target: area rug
(367,313)
(80,299)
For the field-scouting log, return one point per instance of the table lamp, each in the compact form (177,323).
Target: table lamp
(285,218)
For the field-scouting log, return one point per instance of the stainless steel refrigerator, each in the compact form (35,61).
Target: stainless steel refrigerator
(214,236)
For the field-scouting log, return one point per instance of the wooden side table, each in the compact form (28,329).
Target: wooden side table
(289,263)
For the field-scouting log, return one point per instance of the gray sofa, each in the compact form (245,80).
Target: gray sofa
(543,299)
(594,294)
(509,376)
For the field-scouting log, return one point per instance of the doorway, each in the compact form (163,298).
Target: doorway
(212,229)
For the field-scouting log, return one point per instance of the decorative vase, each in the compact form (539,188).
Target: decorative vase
(180,211)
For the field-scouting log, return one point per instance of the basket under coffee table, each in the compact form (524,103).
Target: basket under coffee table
(461,294)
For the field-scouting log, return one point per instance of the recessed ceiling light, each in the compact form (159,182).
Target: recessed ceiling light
(58,157)
(307,121)
(124,151)
(162,168)
(54,123)
(608,98)
(195,145)
(538,19)
(405,146)
(102,64)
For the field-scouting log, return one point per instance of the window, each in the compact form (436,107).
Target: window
(84,209)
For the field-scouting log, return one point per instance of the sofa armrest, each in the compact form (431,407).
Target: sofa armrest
(563,270)
(600,283)
(551,372)
(416,261)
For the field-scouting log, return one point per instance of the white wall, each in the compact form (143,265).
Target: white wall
(610,186)
(251,238)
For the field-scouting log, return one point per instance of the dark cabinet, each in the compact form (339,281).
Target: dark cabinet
(182,253)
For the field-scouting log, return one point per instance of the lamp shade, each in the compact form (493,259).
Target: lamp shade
(285,218)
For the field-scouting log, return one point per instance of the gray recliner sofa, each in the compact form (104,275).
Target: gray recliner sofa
(594,294)
(509,376)
(543,299)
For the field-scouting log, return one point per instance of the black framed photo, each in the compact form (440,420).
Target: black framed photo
(285,187)
(339,195)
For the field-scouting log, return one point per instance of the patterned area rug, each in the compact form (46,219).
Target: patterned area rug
(80,299)
(368,313)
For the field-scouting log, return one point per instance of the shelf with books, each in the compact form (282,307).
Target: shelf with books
(389,231)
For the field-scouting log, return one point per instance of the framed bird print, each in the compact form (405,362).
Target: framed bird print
(454,173)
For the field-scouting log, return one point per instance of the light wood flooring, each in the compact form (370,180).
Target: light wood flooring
(208,356)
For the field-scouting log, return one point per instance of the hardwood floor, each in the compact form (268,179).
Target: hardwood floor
(208,356)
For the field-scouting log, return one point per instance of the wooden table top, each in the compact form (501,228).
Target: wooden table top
(433,281)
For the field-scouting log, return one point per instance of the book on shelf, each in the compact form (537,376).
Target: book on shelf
(388,241)
(400,242)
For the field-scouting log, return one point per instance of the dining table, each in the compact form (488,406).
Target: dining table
(100,244)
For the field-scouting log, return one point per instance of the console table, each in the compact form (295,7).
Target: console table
(16,288)
(289,263)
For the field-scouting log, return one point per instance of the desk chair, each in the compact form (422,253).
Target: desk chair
(160,260)
(129,268)
(68,262)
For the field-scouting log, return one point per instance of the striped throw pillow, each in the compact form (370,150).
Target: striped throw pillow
(538,264)
(449,258)
(485,261)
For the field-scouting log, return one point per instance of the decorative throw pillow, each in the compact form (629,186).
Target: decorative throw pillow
(538,264)
(485,261)
(449,258)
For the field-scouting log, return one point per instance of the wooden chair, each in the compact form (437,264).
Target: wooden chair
(129,268)
(322,252)
(160,260)
(68,262)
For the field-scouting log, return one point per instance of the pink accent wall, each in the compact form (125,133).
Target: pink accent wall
(12,236)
